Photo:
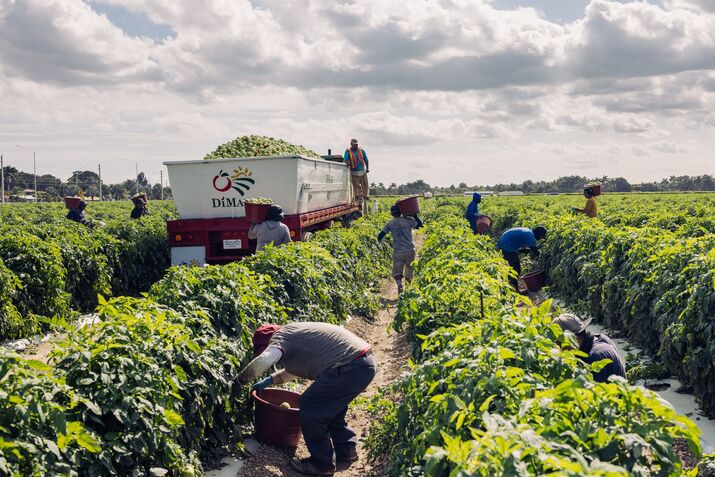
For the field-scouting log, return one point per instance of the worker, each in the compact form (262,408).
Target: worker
(472,213)
(403,247)
(356,159)
(272,230)
(517,240)
(590,209)
(597,347)
(340,364)
(77,214)
(140,207)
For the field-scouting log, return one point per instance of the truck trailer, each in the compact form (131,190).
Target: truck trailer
(210,196)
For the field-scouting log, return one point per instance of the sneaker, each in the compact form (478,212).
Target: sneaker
(306,467)
(346,454)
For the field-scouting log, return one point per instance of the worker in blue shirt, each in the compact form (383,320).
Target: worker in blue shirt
(516,240)
(473,211)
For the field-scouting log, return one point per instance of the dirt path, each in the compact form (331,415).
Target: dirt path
(392,351)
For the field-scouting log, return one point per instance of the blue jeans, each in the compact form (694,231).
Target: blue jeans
(324,404)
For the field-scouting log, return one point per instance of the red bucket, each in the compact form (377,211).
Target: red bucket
(534,281)
(257,212)
(72,202)
(276,425)
(484,224)
(409,206)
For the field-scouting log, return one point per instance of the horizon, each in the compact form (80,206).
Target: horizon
(480,91)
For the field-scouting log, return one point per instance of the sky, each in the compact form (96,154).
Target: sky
(447,91)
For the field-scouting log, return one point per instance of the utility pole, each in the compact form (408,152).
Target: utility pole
(99,167)
(161,183)
(34,171)
(136,168)
(2,177)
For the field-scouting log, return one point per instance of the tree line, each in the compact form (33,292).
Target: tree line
(51,188)
(565,184)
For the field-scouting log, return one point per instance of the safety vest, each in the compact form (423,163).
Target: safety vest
(354,159)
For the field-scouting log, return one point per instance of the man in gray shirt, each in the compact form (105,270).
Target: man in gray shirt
(403,248)
(341,366)
(271,230)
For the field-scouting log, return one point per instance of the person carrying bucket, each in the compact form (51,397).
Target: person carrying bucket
(403,247)
(590,209)
(77,214)
(271,230)
(518,240)
(472,213)
(357,161)
(340,364)
(140,207)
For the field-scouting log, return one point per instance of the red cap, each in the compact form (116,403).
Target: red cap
(262,337)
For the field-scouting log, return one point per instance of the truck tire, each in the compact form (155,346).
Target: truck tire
(306,236)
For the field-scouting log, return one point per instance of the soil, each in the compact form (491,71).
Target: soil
(392,351)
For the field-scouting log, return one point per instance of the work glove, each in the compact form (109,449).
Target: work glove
(262,384)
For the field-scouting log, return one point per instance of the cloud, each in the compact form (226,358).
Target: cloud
(69,45)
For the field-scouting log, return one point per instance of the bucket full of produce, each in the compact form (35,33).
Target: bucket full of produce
(72,202)
(140,196)
(534,281)
(484,224)
(257,209)
(277,417)
(409,206)
(595,188)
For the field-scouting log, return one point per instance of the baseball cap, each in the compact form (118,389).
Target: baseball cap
(572,323)
(353,141)
(262,336)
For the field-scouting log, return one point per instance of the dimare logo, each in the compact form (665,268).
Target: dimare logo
(240,181)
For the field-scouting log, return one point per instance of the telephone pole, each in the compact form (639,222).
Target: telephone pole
(161,183)
(34,171)
(136,168)
(2,177)
(99,168)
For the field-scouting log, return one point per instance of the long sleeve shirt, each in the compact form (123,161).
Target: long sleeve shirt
(270,231)
(305,350)
(517,238)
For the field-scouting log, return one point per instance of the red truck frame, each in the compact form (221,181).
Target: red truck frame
(214,233)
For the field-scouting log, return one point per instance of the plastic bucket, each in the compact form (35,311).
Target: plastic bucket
(484,224)
(72,202)
(596,189)
(257,212)
(534,281)
(409,206)
(276,425)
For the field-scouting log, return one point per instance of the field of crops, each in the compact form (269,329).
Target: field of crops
(494,388)
(51,267)
(497,388)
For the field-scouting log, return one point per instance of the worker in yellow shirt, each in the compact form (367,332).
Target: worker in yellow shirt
(591,210)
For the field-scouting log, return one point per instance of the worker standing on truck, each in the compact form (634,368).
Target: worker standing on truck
(140,207)
(403,247)
(517,240)
(596,346)
(590,209)
(356,159)
(272,230)
(472,213)
(340,364)
(77,214)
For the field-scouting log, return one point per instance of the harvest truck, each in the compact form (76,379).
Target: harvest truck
(210,196)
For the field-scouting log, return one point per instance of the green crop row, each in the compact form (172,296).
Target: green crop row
(496,389)
(645,266)
(52,267)
(151,389)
